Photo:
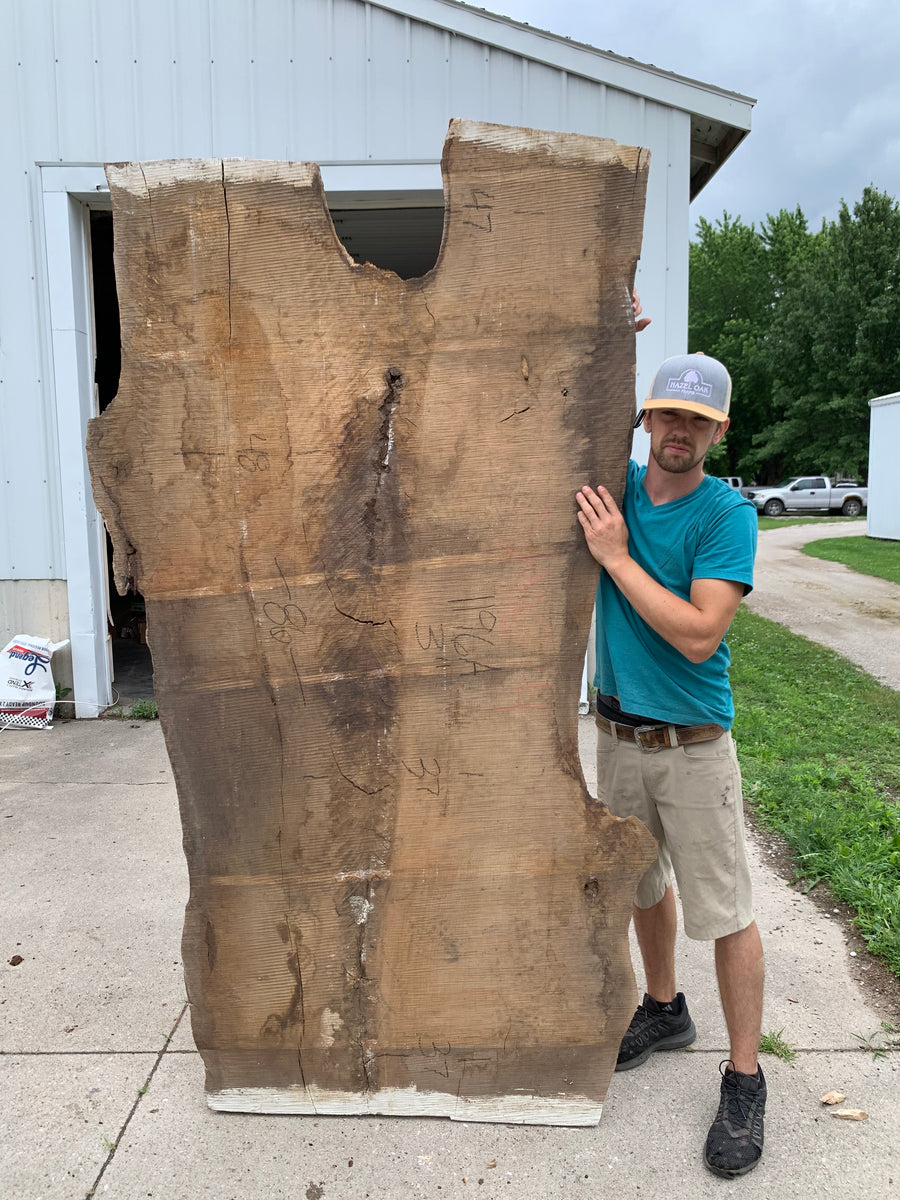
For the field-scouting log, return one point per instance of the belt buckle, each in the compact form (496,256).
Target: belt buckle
(639,732)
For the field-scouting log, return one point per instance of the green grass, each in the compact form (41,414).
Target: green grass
(780,522)
(144,710)
(820,755)
(869,556)
(881,1041)
(774,1043)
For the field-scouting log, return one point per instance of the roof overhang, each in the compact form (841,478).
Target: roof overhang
(720,120)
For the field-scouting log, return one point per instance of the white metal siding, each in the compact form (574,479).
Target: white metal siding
(883,515)
(30,511)
(334,81)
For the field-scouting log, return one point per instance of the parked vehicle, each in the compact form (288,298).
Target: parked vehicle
(736,482)
(811,492)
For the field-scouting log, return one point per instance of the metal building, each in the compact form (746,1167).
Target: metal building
(365,88)
(883,509)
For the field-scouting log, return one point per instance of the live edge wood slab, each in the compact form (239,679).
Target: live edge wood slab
(348,500)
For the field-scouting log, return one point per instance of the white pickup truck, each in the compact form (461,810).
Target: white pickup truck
(735,482)
(810,492)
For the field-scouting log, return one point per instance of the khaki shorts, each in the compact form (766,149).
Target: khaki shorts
(689,797)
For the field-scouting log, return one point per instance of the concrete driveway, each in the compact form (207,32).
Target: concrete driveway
(101,1087)
(856,615)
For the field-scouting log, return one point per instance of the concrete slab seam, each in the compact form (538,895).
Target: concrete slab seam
(141,1093)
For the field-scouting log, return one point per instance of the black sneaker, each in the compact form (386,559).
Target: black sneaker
(734,1144)
(655,1027)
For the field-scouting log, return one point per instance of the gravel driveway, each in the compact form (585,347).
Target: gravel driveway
(856,615)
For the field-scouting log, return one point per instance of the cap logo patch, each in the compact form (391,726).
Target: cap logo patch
(690,383)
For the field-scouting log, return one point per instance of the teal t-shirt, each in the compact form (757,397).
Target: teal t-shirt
(708,534)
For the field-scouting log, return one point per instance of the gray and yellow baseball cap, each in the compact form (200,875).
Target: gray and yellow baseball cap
(693,382)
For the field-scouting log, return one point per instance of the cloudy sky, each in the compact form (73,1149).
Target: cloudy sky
(824,74)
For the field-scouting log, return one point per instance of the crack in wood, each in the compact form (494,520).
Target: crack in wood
(359,787)
(337,609)
(228,251)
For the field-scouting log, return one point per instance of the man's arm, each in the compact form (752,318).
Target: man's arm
(694,627)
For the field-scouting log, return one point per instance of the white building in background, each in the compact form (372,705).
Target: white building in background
(883,513)
(365,88)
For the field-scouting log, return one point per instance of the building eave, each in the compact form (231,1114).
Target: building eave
(720,119)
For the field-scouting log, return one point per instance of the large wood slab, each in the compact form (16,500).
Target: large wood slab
(348,500)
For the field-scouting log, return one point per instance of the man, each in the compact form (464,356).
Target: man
(676,562)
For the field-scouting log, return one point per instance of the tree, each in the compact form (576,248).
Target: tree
(834,342)
(788,243)
(732,293)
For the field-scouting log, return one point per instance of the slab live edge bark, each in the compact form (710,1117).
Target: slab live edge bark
(348,500)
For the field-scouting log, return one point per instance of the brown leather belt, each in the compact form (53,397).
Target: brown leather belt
(659,737)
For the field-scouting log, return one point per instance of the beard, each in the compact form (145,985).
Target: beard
(675,464)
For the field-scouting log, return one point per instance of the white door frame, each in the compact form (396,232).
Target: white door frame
(66,192)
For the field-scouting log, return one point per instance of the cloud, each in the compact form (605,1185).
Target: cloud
(823,73)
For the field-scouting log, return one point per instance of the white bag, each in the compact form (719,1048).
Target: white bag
(27,690)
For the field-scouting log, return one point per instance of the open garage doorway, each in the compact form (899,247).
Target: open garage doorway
(405,240)
(132,667)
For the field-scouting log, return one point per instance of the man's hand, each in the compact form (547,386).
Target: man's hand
(604,526)
(637,310)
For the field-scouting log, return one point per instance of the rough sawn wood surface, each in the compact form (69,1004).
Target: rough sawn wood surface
(348,500)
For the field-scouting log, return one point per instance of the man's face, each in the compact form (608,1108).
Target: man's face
(679,440)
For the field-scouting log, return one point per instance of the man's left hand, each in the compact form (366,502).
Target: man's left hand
(604,526)
(639,324)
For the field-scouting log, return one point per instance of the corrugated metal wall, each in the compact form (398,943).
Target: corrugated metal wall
(324,80)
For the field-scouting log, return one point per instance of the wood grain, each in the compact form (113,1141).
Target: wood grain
(348,500)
